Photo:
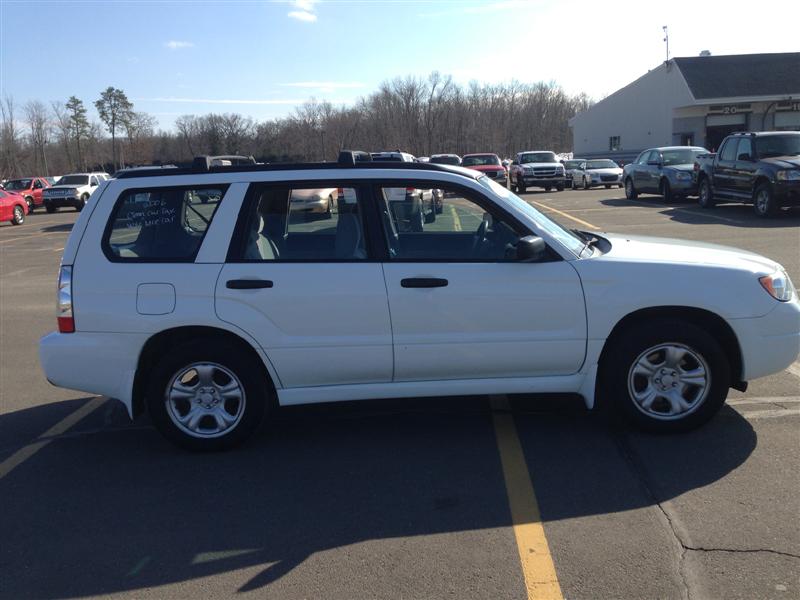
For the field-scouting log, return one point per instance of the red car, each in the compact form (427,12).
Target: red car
(13,208)
(488,164)
(29,188)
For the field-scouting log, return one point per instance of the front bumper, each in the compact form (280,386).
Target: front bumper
(770,343)
(599,182)
(96,363)
(61,201)
(686,187)
(533,180)
(787,193)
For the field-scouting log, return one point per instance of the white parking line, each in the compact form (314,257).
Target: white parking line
(794,369)
(765,400)
(771,414)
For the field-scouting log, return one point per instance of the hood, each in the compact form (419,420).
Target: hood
(783,162)
(608,171)
(637,248)
(67,186)
(547,165)
(484,168)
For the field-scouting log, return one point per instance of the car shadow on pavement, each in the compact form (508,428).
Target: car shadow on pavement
(111,507)
(733,215)
(62,227)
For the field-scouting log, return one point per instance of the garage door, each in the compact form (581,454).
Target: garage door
(787,120)
(737,119)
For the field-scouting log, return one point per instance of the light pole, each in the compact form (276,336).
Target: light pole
(666,39)
(44,156)
(322,134)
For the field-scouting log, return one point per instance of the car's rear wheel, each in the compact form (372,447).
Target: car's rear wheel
(207,395)
(764,201)
(29,202)
(630,190)
(669,376)
(18,218)
(329,208)
(586,183)
(521,189)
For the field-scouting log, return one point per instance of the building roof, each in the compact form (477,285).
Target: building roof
(740,75)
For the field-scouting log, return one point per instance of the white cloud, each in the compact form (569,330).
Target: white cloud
(220,101)
(305,10)
(302,15)
(176,44)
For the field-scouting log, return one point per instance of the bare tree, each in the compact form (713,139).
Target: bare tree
(38,119)
(9,139)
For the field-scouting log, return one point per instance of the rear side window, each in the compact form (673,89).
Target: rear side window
(729,150)
(161,224)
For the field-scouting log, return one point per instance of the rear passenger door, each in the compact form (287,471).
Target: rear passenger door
(725,169)
(300,278)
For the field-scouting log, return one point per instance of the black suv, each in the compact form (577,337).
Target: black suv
(759,168)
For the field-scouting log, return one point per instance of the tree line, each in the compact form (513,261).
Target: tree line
(422,116)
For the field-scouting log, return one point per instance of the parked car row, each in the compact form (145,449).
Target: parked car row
(50,193)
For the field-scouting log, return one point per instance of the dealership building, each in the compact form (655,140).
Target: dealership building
(692,101)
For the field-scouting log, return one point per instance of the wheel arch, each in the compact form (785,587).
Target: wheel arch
(760,178)
(701,318)
(160,342)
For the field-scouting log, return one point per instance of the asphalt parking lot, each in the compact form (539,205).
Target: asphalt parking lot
(422,498)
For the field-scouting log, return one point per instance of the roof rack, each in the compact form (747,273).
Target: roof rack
(349,158)
(205,162)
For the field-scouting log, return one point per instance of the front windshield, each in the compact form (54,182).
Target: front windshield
(538,157)
(573,164)
(601,164)
(74,180)
(770,146)
(445,160)
(563,235)
(681,157)
(480,160)
(18,184)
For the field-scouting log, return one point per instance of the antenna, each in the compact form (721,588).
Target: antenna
(666,39)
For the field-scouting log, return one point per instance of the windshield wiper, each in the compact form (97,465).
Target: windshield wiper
(589,239)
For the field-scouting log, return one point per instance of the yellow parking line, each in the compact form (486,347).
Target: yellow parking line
(456,220)
(24,453)
(563,214)
(541,580)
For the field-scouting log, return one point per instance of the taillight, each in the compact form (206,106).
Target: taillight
(66,321)
(410,189)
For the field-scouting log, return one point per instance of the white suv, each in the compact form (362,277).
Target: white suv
(72,190)
(202,296)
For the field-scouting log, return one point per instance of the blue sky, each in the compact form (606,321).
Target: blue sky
(263,58)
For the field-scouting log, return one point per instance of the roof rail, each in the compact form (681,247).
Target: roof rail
(205,162)
(349,158)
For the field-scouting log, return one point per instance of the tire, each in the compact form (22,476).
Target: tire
(18,217)
(630,190)
(608,187)
(82,202)
(224,364)
(705,194)
(586,184)
(50,208)
(547,188)
(620,186)
(666,191)
(31,205)
(329,208)
(574,187)
(560,188)
(764,203)
(521,189)
(666,349)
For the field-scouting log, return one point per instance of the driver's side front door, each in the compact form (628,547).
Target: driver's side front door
(462,307)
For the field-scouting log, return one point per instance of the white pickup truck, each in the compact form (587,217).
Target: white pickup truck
(72,190)
(536,168)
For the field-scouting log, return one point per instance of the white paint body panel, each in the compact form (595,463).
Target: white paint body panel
(346,331)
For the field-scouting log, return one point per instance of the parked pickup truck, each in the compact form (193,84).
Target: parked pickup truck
(759,168)
(536,169)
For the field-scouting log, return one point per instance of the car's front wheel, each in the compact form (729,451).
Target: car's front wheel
(50,208)
(705,195)
(666,191)
(207,395)
(669,376)
(630,190)
(18,218)
(764,201)
(82,202)
(29,202)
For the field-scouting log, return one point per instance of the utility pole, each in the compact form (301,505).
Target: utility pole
(666,39)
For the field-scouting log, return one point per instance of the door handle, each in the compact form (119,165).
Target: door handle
(248,284)
(423,282)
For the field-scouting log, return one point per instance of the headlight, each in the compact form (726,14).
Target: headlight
(778,285)
(789,175)
(683,176)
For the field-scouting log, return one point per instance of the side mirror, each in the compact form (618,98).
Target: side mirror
(530,248)
(745,156)
(93,184)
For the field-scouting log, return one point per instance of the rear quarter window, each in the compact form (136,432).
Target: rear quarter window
(161,224)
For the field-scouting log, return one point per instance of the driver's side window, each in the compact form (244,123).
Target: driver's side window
(444,224)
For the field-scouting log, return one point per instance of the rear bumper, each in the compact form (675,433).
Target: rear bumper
(770,343)
(96,363)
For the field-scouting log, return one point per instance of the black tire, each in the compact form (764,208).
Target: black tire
(586,183)
(246,367)
(764,203)
(547,188)
(50,208)
(521,189)
(624,352)
(608,187)
(705,194)
(82,202)
(620,186)
(329,208)
(31,205)
(666,191)
(630,190)
(18,217)
(573,186)
(560,188)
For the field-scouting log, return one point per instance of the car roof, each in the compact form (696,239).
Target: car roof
(482,154)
